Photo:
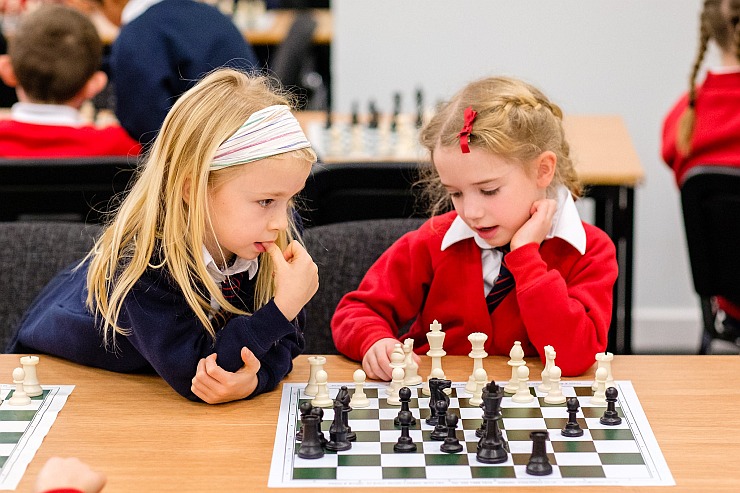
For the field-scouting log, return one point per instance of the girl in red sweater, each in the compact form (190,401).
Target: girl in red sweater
(512,260)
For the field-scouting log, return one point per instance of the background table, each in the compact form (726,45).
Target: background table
(147,438)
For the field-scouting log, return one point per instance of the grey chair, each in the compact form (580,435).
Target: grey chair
(710,199)
(31,253)
(344,252)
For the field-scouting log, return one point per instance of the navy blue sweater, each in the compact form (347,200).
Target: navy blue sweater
(165,335)
(163,52)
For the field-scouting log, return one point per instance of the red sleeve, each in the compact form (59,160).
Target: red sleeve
(571,313)
(391,294)
(669,152)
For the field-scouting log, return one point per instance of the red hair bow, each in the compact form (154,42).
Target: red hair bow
(464,134)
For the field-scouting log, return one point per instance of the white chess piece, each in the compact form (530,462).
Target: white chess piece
(436,338)
(599,397)
(481,379)
(31,382)
(412,368)
(317,363)
(398,357)
(516,360)
(604,360)
(396,383)
(477,352)
(359,399)
(523,395)
(436,373)
(549,363)
(555,395)
(20,398)
(322,398)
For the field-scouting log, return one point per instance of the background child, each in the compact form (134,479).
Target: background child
(54,61)
(163,47)
(210,211)
(500,156)
(704,125)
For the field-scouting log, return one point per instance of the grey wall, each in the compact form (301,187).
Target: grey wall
(628,57)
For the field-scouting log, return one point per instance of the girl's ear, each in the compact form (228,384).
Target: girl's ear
(7,74)
(545,165)
(186,186)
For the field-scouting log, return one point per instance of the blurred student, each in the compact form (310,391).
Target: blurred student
(703,127)
(68,475)
(162,49)
(53,62)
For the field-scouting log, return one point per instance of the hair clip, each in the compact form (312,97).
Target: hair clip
(467,128)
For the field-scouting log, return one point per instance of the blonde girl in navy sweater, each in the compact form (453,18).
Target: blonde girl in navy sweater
(198,276)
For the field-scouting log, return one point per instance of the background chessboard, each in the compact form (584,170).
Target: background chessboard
(623,455)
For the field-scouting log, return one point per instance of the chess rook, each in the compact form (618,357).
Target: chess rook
(31,382)
(316,363)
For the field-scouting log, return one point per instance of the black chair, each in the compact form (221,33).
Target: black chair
(344,252)
(710,198)
(70,189)
(360,191)
(31,253)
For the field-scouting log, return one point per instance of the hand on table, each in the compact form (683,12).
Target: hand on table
(71,472)
(378,358)
(215,385)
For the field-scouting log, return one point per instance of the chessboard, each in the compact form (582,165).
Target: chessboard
(623,455)
(23,428)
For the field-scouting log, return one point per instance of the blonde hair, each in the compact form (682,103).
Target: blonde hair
(719,21)
(515,121)
(155,229)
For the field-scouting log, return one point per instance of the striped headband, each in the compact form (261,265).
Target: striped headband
(268,132)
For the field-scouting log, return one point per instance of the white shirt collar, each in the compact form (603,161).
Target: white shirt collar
(729,69)
(566,225)
(47,114)
(239,265)
(135,8)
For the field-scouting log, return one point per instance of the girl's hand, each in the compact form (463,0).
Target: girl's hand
(71,473)
(377,359)
(215,385)
(538,225)
(296,278)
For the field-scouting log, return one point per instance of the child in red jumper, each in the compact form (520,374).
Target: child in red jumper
(513,260)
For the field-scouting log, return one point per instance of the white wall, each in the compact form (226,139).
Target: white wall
(628,57)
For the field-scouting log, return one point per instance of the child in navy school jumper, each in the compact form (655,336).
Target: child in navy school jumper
(162,48)
(703,127)
(54,64)
(513,260)
(198,276)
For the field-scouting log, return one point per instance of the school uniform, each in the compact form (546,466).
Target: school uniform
(443,271)
(162,49)
(716,137)
(52,130)
(165,335)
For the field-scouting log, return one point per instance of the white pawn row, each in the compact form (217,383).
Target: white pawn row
(26,382)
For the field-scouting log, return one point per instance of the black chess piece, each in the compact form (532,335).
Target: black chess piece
(405,443)
(304,408)
(433,398)
(344,397)
(440,430)
(404,395)
(396,111)
(419,108)
(374,116)
(355,115)
(482,428)
(337,431)
(611,416)
(311,445)
(572,428)
(451,444)
(492,448)
(319,413)
(539,464)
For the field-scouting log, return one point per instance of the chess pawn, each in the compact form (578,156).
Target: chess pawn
(31,382)
(599,397)
(412,376)
(322,393)
(555,395)
(516,360)
(477,342)
(20,398)
(359,399)
(572,428)
(316,363)
(481,379)
(398,357)
(523,395)
(396,383)
(611,416)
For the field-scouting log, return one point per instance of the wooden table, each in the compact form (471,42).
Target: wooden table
(145,437)
(608,165)
(278,23)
